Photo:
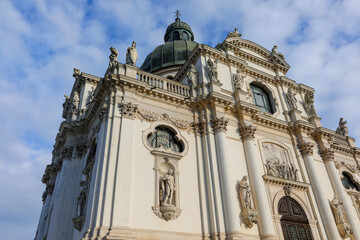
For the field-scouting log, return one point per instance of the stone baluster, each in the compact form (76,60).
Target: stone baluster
(255,169)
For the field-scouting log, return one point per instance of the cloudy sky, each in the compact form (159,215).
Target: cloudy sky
(41,41)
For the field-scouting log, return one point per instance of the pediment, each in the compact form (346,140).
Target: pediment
(242,45)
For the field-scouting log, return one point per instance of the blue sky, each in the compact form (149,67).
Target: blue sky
(41,41)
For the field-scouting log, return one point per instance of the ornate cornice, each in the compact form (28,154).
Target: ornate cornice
(286,182)
(306,149)
(219,124)
(247,132)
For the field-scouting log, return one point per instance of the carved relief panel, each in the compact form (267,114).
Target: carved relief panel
(278,162)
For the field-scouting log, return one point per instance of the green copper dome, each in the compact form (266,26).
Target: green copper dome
(179,42)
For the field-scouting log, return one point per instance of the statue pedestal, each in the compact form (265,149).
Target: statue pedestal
(214,86)
(131,70)
(315,120)
(295,115)
(169,212)
(240,95)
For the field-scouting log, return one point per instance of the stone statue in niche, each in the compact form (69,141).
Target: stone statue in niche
(192,75)
(238,80)
(235,33)
(75,102)
(338,212)
(342,129)
(309,104)
(245,193)
(213,72)
(337,208)
(291,100)
(167,188)
(113,61)
(278,163)
(131,54)
(248,212)
(81,204)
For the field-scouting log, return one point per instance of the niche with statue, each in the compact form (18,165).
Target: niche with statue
(168,147)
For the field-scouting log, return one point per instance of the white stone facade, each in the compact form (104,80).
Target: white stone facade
(109,177)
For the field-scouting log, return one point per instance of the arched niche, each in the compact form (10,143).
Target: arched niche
(168,147)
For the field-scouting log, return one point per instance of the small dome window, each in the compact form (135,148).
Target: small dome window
(262,99)
(185,36)
(176,35)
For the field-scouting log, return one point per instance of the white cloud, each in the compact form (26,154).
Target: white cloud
(41,41)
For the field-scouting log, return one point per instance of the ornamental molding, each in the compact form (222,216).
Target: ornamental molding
(350,167)
(247,132)
(271,122)
(219,124)
(149,116)
(286,182)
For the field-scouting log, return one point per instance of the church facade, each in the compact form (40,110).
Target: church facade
(198,143)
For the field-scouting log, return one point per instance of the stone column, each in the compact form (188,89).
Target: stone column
(256,170)
(228,185)
(58,228)
(328,156)
(320,196)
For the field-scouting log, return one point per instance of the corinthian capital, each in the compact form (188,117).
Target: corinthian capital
(247,131)
(128,109)
(306,149)
(327,154)
(219,124)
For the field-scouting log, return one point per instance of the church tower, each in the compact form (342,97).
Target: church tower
(198,143)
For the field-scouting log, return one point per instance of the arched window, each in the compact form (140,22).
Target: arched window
(185,36)
(348,182)
(176,36)
(261,99)
(164,137)
(294,223)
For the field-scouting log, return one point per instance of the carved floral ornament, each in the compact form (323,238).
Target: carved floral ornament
(306,149)
(247,131)
(219,124)
(153,116)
